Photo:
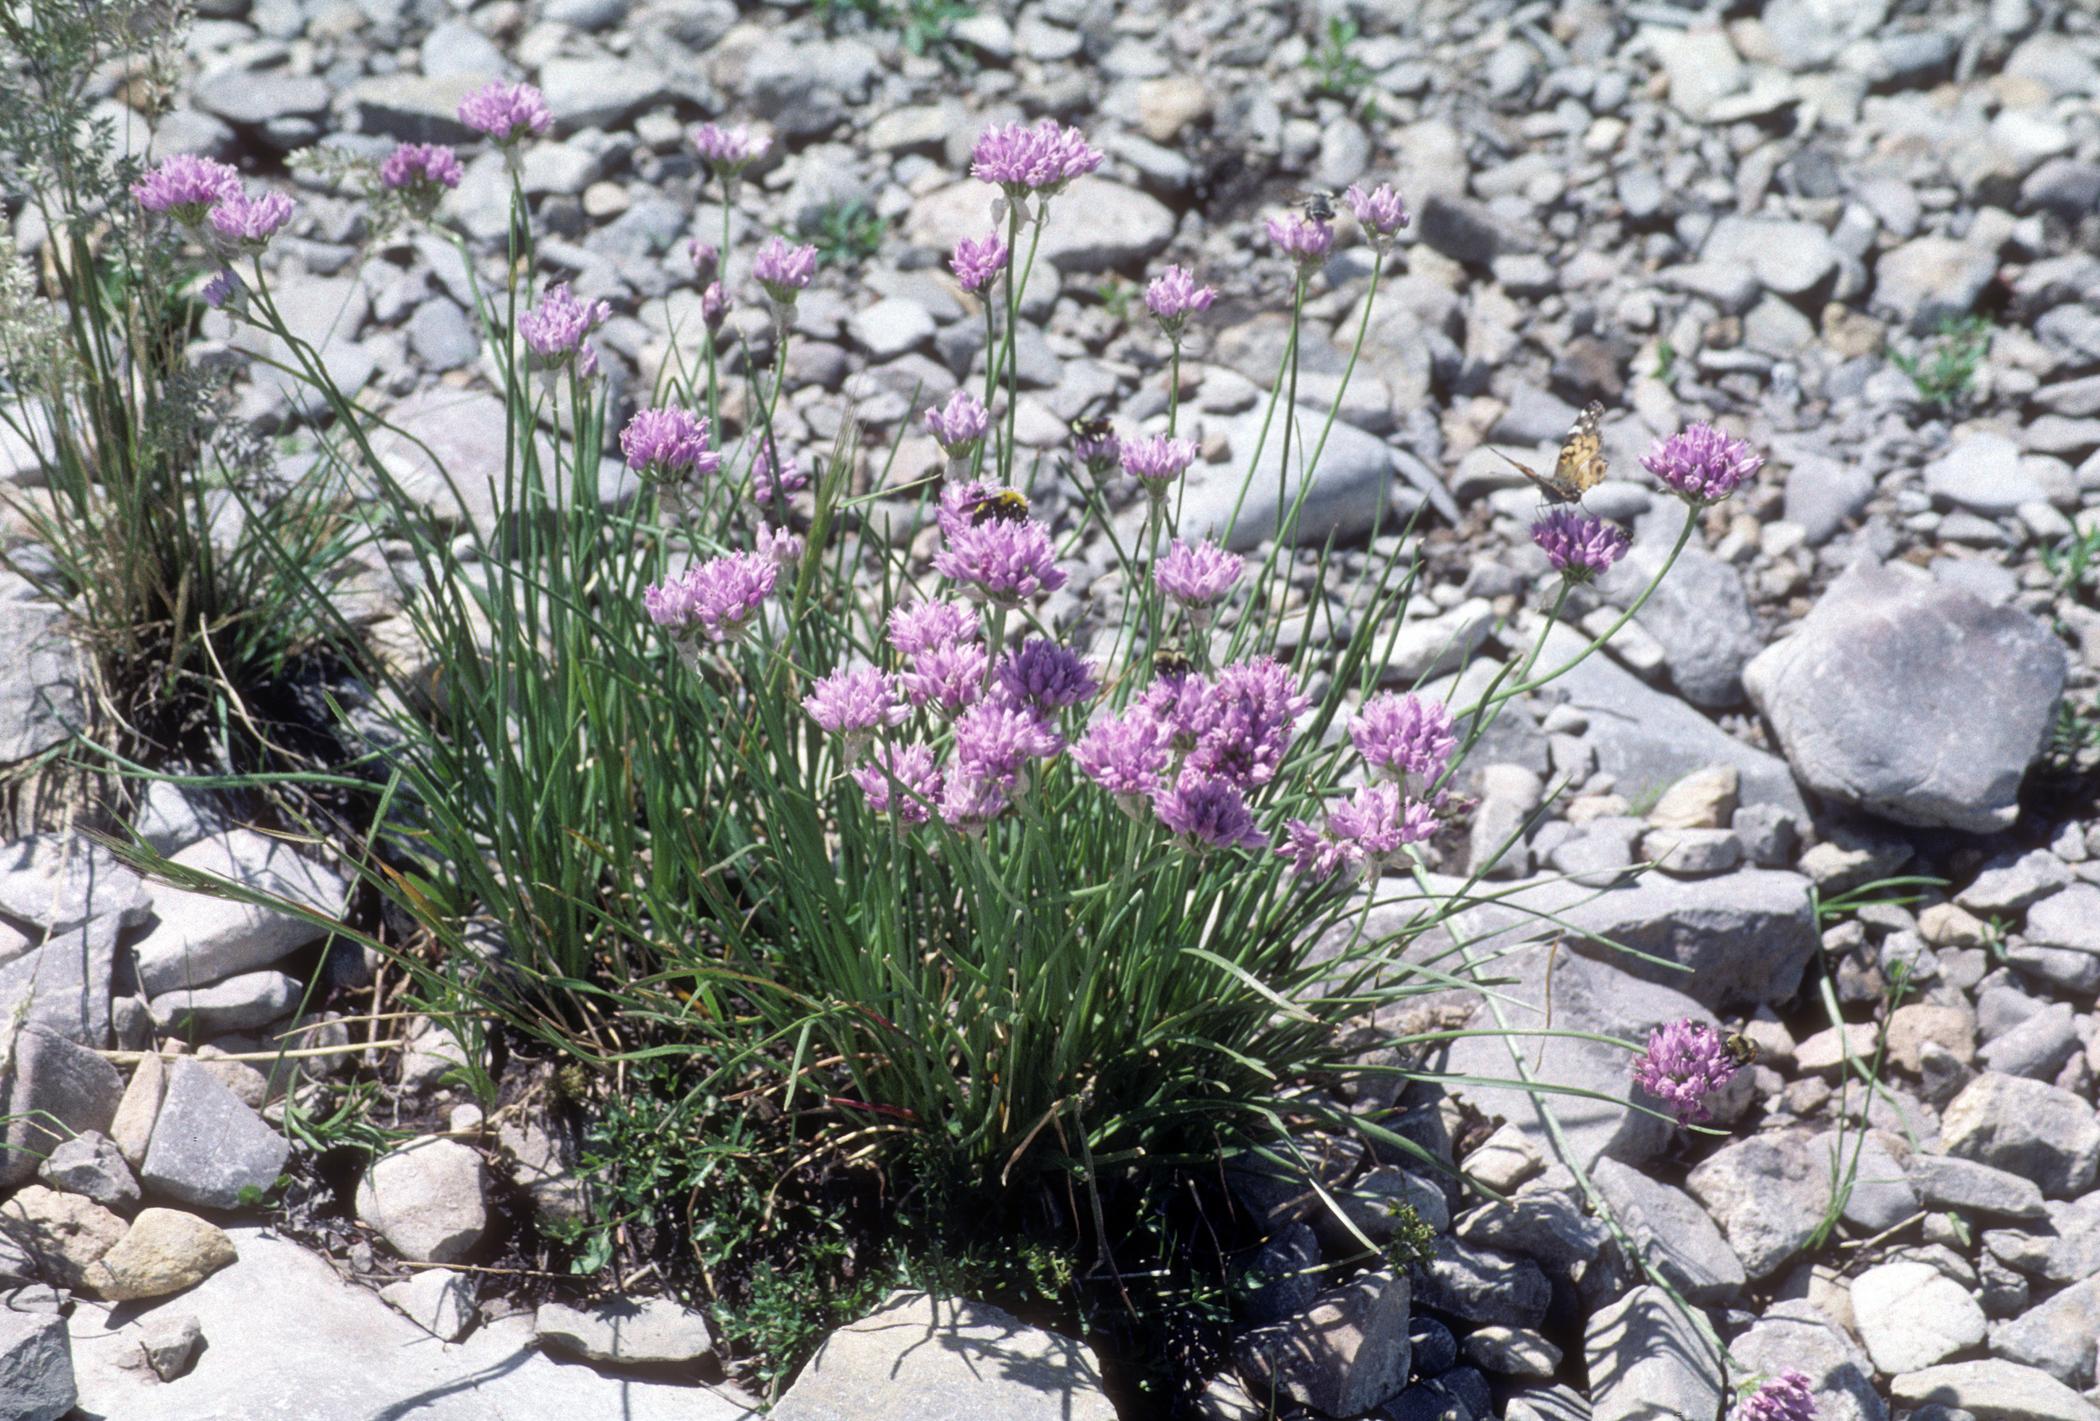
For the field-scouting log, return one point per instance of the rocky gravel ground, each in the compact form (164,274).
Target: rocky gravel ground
(1861,235)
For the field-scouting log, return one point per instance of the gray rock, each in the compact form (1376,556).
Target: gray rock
(1646,1361)
(541,1163)
(413,108)
(2008,885)
(2037,1047)
(443,336)
(1099,225)
(242,1003)
(1911,1315)
(262,1315)
(1881,1196)
(169,1340)
(1797,1334)
(202,939)
(1930,279)
(1984,474)
(1346,498)
(326,312)
(1692,853)
(461,433)
(89,1164)
(62,883)
(1808,34)
(426,1198)
(1699,614)
(1702,68)
(438,1300)
(1468,231)
(44,1077)
(917,1359)
(2057,1336)
(39,698)
(1993,1390)
(36,1366)
(1768,1193)
(2027,1128)
(1512,1352)
(1483,1286)
(2061,940)
(601,92)
(1912,700)
(1740,939)
(1822,494)
(624,1332)
(65,983)
(1672,1233)
(1343,1355)
(1944,1182)
(1790,258)
(64,1233)
(207,1147)
(890,327)
(250,98)
(804,89)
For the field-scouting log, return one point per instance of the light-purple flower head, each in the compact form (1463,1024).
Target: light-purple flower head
(1249,723)
(1157,460)
(1380,820)
(1686,1062)
(1096,447)
(421,173)
(1126,755)
(856,703)
(1380,211)
(976,263)
(780,544)
(1786,1397)
(969,803)
(1042,677)
(506,113)
(728,151)
(1701,465)
(901,779)
(1302,239)
(706,258)
(1196,576)
(765,488)
(717,599)
(1207,812)
(714,305)
(1581,546)
(1314,852)
(1403,735)
(245,224)
(668,446)
(224,289)
(1173,297)
(919,626)
(554,330)
(184,187)
(1039,160)
(994,742)
(946,675)
(1001,562)
(784,270)
(959,425)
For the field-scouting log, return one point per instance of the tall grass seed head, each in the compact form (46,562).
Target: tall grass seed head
(1305,240)
(1034,161)
(1207,812)
(976,263)
(1157,460)
(185,187)
(506,114)
(668,446)
(1380,212)
(1173,296)
(1581,546)
(245,224)
(784,270)
(1685,1063)
(1402,735)
(901,779)
(960,425)
(1701,465)
(420,174)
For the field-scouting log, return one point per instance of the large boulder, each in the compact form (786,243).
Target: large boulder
(1912,699)
(207,1147)
(1345,499)
(201,938)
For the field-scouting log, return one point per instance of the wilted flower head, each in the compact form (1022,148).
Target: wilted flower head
(668,446)
(506,113)
(1302,239)
(976,263)
(917,626)
(554,330)
(714,305)
(902,779)
(855,703)
(1685,1063)
(1001,561)
(1208,813)
(246,224)
(728,151)
(1249,722)
(959,425)
(946,675)
(1157,460)
(718,599)
(1786,1397)
(706,258)
(421,173)
(184,186)
(1126,755)
(1025,160)
(223,289)
(784,270)
(1173,296)
(1380,211)
(779,544)
(1402,735)
(1042,677)
(1196,576)
(995,741)
(1701,465)
(765,488)
(1580,546)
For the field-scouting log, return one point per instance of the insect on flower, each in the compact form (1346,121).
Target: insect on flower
(1317,203)
(1005,506)
(1581,464)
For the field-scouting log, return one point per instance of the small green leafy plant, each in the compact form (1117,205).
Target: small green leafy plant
(1337,72)
(1119,298)
(1945,371)
(921,26)
(2073,563)
(847,233)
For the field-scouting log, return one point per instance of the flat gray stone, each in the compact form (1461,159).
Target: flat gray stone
(1797,1334)
(414,108)
(1790,258)
(1482,1285)
(45,1076)
(1768,1194)
(39,694)
(438,1300)
(1699,614)
(61,883)
(2058,1336)
(201,939)
(1928,280)
(918,1359)
(36,1366)
(1911,1315)
(461,433)
(1945,1182)
(1912,700)
(207,1147)
(1993,1390)
(89,1164)
(624,1332)
(427,1198)
(1673,1234)
(1343,1355)
(65,983)
(1345,500)
(1646,1361)
(1984,474)
(2025,1127)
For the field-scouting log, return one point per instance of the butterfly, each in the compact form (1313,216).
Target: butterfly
(1581,464)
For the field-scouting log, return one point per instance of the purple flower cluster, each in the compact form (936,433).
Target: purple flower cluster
(668,446)
(1208,812)
(1380,212)
(1786,1397)
(779,544)
(1126,755)
(1196,577)
(1403,735)
(421,173)
(901,779)
(994,742)
(855,704)
(245,223)
(976,263)
(1043,678)
(555,329)
(949,676)
(1173,297)
(1302,239)
(784,270)
(1701,465)
(184,187)
(1363,834)
(506,113)
(1246,721)
(959,425)
(718,599)
(714,306)
(223,289)
(1686,1061)
(1026,160)
(998,560)
(921,626)
(728,151)
(1157,461)
(1581,546)
(706,258)
(1097,450)
(765,487)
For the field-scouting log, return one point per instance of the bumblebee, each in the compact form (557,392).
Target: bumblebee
(1741,1049)
(1171,659)
(1005,506)
(1092,426)
(1317,205)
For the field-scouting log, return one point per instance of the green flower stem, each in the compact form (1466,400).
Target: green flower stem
(1290,404)
(1174,388)
(1327,426)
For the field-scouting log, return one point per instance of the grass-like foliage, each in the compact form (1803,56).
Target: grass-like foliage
(1945,370)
